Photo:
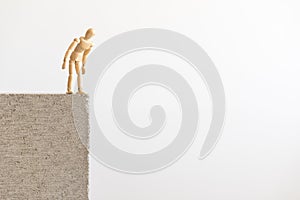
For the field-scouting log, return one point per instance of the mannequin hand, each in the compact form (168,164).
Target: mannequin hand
(64,65)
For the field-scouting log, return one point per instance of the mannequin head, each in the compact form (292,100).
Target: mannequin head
(89,33)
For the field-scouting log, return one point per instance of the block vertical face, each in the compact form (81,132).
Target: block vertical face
(41,155)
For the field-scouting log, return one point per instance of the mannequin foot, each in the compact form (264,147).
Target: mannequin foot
(80,92)
(69,92)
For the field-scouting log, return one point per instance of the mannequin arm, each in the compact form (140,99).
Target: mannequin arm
(85,55)
(69,51)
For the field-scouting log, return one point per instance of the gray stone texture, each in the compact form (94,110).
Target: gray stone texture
(41,155)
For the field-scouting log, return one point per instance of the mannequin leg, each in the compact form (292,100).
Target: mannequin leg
(78,72)
(69,87)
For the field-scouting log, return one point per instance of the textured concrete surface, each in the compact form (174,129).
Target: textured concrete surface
(41,155)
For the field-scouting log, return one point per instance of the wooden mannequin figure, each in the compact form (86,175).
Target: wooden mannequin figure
(77,54)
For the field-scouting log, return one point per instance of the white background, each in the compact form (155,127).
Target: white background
(254,44)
